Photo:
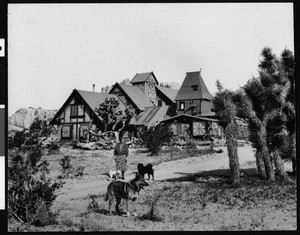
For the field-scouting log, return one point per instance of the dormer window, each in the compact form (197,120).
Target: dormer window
(195,87)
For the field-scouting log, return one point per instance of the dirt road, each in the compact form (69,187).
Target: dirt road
(165,170)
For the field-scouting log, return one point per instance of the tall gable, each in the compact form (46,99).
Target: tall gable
(143,77)
(136,96)
(193,87)
(92,99)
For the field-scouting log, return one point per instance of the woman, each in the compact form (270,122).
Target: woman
(121,153)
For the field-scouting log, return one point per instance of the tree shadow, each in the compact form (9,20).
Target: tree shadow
(220,178)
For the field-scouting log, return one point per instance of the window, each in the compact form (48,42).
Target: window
(195,87)
(66,131)
(77,110)
(181,105)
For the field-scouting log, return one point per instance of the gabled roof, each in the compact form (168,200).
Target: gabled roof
(168,92)
(186,90)
(135,94)
(92,99)
(142,77)
(150,116)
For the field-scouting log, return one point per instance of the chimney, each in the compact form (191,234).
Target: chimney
(93,87)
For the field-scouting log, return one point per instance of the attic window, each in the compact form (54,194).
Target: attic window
(77,110)
(195,87)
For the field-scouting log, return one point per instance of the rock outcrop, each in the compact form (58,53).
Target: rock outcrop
(25,116)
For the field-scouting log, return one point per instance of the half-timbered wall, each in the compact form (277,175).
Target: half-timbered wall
(150,88)
(74,119)
(193,107)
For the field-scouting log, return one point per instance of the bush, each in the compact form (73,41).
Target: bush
(30,193)
(17,140)
(67,169)
(154,137)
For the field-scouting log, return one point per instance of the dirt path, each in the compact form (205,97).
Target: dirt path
(165,170)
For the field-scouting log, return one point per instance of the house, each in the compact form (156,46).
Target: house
(132,97)
(196,126)
(193,96)
(150,102)
(147,83)
(194,115)
(143,96)
(77,113)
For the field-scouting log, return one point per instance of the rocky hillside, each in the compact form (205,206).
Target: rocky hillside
(24,117)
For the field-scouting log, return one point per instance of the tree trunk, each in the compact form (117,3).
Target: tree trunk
(268,165)
(233,157)
(263,148)
(260,164)
(293,149)
(280,167)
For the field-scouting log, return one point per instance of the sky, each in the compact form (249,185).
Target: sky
(55,48)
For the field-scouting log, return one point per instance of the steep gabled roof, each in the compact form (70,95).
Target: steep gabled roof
(168,92)
(135,94)
(92,99)
(150,116)
(142,77)
(186,90)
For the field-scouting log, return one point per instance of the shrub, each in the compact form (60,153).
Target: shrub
(67,169)
(152,213)
(30,193)
(154,137)
(17,140)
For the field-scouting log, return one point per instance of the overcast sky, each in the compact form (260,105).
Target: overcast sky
(55,48)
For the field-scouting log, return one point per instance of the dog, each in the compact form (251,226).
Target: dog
(125,190)
(148,169)
(114,174)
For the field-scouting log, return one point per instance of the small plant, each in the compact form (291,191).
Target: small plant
(93,206)
(78,172)
(65,164)
(151,215)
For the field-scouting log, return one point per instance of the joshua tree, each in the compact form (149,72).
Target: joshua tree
(288,64)
(267,95)
(226,111)
(112,118)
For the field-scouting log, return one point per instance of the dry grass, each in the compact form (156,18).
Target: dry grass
(203,201)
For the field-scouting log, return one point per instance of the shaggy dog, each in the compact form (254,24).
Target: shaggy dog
(125,190)
(148,169)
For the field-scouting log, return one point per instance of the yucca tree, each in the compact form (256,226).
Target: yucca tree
(267,95)
(278,143)
(244,110)
(288,64)
(226,112)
